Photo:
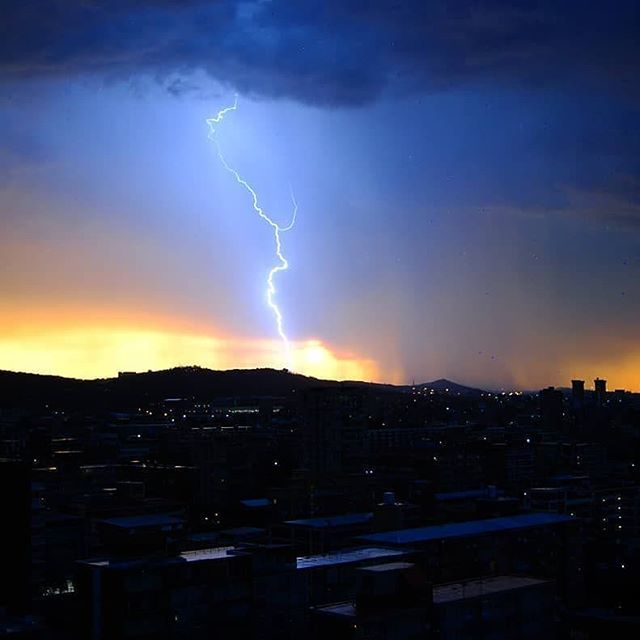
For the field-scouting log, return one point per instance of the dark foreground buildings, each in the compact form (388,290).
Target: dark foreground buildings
(346,511)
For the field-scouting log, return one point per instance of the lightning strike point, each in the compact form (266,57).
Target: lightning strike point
(276,228)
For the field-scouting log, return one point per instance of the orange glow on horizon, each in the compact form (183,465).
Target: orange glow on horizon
(104,345)
(98,341)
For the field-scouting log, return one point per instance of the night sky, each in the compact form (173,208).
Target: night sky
(467,174)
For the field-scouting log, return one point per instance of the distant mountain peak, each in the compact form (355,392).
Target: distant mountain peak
(442,384)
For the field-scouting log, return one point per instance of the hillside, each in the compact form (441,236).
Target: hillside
(449,386)
(129,389)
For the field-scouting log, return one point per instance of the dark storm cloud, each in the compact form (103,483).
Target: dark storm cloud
(329,51)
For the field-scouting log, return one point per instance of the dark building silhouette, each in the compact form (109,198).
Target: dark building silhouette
(577,394)
(600,387)
(577,404)
(397,609)
(509,465)
(334,428)
(552,406)
(393,601)
(15,576)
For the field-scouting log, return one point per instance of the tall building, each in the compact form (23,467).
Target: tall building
(334,424)
(600,387)
(577,394)
(577,403)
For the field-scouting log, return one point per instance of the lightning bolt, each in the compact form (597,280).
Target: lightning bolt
(277,229)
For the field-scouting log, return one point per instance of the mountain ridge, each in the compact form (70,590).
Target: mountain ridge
(129,388)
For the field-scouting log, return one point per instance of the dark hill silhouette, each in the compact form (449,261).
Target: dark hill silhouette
(442,384)
(129,389)
(29,390)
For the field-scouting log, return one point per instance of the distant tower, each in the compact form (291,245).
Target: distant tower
(600,387)
(577,394)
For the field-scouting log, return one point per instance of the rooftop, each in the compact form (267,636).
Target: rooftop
(476,588)
(465,529)
(446,592)
(116,562)
(203,536)
(240,532)
(199,555)
(346,557)
(461,495)
(347,609)
(389,566)
(345,520)
(148,520)
(256,502)
(214,553)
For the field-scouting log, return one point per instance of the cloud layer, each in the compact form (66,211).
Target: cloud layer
(329,52)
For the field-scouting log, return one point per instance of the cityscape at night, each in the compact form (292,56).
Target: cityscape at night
(319,319)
